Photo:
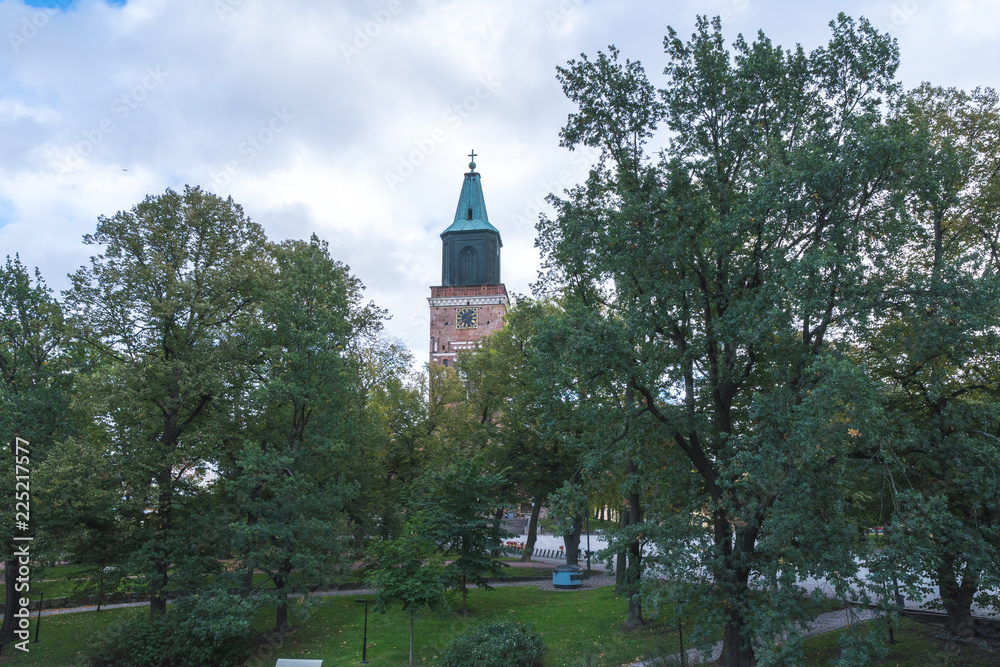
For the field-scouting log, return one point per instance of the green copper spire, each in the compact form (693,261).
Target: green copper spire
(470,248)
(471,212)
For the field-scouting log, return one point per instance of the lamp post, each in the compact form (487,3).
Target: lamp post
(364,639)
(588,537)
(38,623)
(680,633)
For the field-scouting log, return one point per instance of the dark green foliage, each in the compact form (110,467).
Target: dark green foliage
(34,404)
(212,628)
(288,478)
(408,570)
(33,386)
(391,447)
(713,289)
(521,411)
(935,353)
(459,507)
(502,643)
(161,310)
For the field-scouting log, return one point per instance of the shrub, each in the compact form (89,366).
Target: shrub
(502,643)
(199,630)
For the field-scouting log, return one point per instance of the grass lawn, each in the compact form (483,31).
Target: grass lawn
(75,581)
(57,581)
(572,624)
(916,647)
(63,636)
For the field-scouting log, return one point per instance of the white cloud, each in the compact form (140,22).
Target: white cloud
(410,88)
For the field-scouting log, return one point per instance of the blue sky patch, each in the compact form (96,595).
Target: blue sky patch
(64,4)
(6,213)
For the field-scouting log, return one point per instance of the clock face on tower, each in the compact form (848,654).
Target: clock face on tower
(467,318)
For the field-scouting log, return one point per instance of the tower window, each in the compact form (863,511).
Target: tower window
(470,213)
(468,266)
(445,362)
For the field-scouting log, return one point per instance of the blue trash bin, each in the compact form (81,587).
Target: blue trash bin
(567,576)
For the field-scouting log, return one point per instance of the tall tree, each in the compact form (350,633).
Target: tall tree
(289,478)
(458,505)
(34,399)
(935,351)
(408,570)
(717,281)
(393,437)
(521,409)
(176,280)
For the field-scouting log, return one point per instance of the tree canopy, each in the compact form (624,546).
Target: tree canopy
(718,285)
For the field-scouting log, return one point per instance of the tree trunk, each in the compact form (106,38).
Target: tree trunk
(465,594)
(633,573)
(733,578)
(158,592)
(957,598)
(160,560)
(737,644)
(281,617)
(497,526)
(251,520)
(411,640)
(572,540)
(736,651)
(280,580)
(10,601)
(620,562)
(529,547)
(248,577)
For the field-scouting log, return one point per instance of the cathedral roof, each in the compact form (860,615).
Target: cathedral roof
(471,215)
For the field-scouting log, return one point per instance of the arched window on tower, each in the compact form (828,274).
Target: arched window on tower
(468,266)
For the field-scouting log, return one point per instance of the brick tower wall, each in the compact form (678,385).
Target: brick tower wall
(446,339)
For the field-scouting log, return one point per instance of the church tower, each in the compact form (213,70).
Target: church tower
(471,301)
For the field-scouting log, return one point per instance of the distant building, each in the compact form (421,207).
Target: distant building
(471,301)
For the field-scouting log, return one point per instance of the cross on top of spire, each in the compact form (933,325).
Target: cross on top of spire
(472,157)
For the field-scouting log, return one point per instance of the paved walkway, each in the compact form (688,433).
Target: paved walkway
(824,623)
(537,563)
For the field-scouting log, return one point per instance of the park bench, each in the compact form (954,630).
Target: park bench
(287,662)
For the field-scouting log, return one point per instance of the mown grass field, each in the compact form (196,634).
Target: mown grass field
(579,628)
(572,624)
(916,646)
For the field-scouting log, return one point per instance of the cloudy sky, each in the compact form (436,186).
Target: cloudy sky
(354,120)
